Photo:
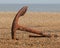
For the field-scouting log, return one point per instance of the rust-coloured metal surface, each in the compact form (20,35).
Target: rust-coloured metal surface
(15,25)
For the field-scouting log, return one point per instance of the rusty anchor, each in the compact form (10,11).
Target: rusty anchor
(16,26)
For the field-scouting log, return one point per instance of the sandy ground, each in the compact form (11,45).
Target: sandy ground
(42,21)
